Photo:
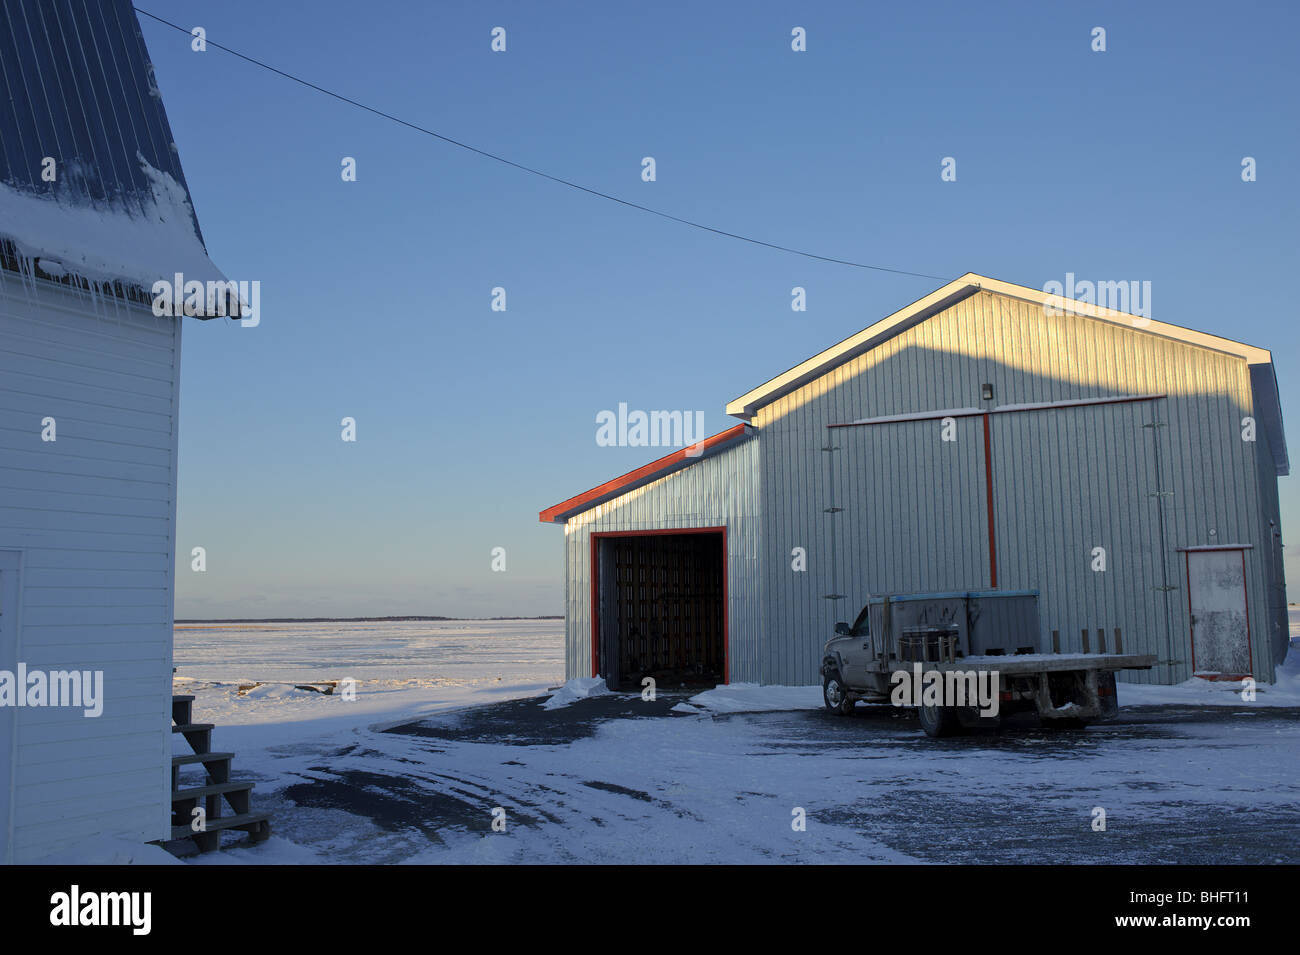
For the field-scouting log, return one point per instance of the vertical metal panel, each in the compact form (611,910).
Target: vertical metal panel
(1070,481)
(914,510)
(722,491)
(1270,560)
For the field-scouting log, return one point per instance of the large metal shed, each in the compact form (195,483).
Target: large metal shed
(1124,468)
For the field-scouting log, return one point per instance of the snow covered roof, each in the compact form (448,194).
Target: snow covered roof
(90,178)
(1263,376)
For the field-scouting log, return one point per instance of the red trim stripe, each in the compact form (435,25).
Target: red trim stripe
(988,487)
(580,503)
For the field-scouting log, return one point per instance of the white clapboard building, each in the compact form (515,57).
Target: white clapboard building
(94,209)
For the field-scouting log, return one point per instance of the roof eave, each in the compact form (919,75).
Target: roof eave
(748,404)
(668,464)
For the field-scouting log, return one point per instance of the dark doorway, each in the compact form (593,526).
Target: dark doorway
(660,608)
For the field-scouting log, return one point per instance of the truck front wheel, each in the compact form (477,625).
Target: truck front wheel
(938,720)
(835,695)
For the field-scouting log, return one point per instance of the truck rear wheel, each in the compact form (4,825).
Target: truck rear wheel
(835,695)
(938,720)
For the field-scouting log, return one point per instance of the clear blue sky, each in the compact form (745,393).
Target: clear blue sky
(376,294)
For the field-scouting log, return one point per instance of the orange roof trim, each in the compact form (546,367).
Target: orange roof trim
(642,475)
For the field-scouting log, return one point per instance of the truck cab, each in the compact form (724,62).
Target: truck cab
(849,671)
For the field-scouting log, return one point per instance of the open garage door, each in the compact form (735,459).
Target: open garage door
(660,607)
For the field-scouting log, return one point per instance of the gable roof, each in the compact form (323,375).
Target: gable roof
(77,87)
(1263,377)
(642,476)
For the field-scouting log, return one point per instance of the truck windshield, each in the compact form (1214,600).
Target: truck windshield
(862,626)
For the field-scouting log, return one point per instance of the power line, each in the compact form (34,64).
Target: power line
(528,169)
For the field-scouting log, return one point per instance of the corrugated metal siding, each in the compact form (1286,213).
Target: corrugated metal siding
(1028,357)
(1271,559)
(920,487)
(721,490)
(94,515)
(1068,481)
(897,482)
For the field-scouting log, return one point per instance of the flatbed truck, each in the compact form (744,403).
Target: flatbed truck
(916,649)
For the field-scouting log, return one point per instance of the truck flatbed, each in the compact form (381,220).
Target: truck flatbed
(1041,662)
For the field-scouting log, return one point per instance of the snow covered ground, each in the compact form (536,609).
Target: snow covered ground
(401,670)
(612,778)
(448,726)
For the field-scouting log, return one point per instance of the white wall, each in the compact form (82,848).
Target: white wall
(93,516)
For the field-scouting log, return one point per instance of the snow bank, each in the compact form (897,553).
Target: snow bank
(278,693)
(1198,692)
(752,698)
(274,851)
(577,689)
(138,241)
(110,850)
